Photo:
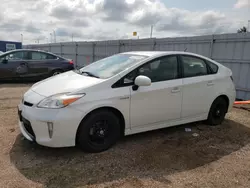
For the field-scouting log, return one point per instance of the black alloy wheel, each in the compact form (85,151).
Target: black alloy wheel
(98,132)
(217,112)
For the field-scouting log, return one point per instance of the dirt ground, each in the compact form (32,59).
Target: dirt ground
(217,157)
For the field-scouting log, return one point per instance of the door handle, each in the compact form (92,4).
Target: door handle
(175,90)
(210,83)
(124,98)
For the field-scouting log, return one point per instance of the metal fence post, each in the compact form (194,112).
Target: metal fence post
(119,47)
(121,44)
(61,48)
(76,55)
(154,44)
(93,52)
(211,46)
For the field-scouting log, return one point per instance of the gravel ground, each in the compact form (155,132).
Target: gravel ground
(217,157)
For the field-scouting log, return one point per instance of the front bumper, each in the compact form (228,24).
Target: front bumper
(65,124)
(24,132)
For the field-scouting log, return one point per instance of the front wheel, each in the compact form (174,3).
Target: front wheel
(98,132)
(217,112)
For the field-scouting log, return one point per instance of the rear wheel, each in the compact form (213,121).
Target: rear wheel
(98,132)
(56,72)
(217,112)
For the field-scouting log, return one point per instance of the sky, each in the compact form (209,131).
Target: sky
(43,21)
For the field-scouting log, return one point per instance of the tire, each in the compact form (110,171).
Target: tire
(56,72)
(98,132)
(217,112)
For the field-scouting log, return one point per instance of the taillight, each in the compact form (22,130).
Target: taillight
(71,62)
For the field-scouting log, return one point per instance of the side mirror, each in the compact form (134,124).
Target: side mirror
(5,61)
(142,81)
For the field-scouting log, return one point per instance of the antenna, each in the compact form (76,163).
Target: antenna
(185,50)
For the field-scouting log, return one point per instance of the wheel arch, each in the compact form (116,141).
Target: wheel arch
(114,110)
(223,96)
(56,69)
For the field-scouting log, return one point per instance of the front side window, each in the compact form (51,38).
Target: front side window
(110,66)
(193,66)
(15,56)
(161,69)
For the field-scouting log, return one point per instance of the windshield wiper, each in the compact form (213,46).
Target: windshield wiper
(89,74)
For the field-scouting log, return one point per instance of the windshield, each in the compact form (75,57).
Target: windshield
(3,53)
(110,66)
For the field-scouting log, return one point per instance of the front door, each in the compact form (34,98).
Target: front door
(161,101)
(13,64)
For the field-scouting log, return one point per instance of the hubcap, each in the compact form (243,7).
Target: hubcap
(218,111)
(101,132)
(56,73)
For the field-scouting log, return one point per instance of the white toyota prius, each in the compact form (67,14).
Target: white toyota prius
(124,94)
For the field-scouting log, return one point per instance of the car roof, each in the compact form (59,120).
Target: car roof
(156,54)
(31,50)
(159,53)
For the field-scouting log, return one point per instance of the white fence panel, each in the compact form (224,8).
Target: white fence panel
(232,50)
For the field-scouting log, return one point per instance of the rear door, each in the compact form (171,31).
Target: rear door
(13,64)
(198,86)
(38,63)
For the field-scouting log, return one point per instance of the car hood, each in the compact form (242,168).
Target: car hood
(65,82)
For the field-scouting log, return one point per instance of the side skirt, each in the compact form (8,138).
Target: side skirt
(161,125)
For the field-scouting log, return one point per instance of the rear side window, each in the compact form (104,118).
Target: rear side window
(41,56)
(214,68)
(49,56)
(193,66)
(38,56)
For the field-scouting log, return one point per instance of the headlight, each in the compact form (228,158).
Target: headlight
(59,100)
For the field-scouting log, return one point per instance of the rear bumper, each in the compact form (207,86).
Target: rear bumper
(70,67)
(232,99)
